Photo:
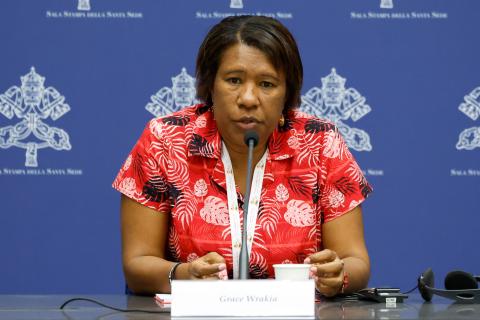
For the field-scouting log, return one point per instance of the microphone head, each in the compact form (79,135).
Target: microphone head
(251,135)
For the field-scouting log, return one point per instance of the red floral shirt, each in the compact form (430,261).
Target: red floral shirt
(310,178)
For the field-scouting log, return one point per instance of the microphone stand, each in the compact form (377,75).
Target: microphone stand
(244,256)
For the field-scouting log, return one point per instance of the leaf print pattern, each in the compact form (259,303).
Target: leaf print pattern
(200,146)
(314,233)
(293,142)
(258,266)
(308,150)
(138,172)
(174,144)
(345,186)
(298,186)
(268,177)
(156,189)
(310,178)
(269,215)
(226,233)
(353,204)
(354,172)
(174,193)
(215,211)
(316,126)
(187,206)
(299,214)
(200,188)
(281,193)
(178,171)
(128,162)
(315,194)
(284,156)
(365,188)
(178,121)
(201,122)
(335,198)
(277,145)
(128,187)
(334,147)
(258,237)
(156,128)
(174,244)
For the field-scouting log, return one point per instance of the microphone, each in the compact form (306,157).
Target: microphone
(251,137)
(251,140)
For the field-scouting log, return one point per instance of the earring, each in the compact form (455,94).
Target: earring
(281,121)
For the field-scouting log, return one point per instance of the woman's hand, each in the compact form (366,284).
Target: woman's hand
(328,271)
(210,266)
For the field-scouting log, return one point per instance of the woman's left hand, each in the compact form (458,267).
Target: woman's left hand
(327,270)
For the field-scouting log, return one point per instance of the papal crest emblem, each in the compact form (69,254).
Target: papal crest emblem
(33,104)
(236,4)
(386,4)
(168,100)
(469,139)
(84,5)
(336,103)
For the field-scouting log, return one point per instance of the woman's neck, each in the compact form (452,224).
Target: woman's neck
(239,158)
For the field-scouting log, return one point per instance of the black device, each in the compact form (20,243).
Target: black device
(251,140)
(460,286)
(387,295)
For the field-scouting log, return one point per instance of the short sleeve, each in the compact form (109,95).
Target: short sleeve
(342,183)
(142,177)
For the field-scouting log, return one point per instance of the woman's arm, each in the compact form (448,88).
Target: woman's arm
(345,253)
(144,240)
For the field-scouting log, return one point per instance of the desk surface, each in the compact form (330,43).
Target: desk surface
(20,307)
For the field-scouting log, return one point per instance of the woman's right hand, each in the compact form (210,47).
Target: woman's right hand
(210,266)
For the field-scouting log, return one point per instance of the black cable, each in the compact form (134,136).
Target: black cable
(411,290)
(109,307)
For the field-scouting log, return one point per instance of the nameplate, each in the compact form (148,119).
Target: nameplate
(243,298)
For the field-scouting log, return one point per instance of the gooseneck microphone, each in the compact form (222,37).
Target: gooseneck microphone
(251,140)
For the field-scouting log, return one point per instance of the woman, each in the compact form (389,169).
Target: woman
(183,183)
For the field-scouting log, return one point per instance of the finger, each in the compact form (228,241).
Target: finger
(332,268)
(326,290)
(208,265)
(211,277)
(214,257)
(206,269)
(323,256)
(223,275)
(334,282)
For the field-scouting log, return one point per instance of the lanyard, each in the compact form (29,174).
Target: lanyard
(233,210)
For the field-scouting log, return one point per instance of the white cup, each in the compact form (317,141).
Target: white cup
(292,271)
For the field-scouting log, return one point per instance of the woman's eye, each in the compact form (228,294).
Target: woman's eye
(266,84)
(233,80)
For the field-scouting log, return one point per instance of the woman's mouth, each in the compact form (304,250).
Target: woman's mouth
(247,123)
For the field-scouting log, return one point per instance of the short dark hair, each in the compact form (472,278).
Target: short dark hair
(264,33)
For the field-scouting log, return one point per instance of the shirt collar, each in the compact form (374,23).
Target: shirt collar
(205,129)
(281,144)
(283,141)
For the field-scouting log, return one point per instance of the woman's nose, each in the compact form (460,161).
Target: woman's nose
(248,96)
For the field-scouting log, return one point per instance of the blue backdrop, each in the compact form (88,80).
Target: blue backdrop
(80,78)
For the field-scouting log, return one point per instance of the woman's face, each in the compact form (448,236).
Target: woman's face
(248,94)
